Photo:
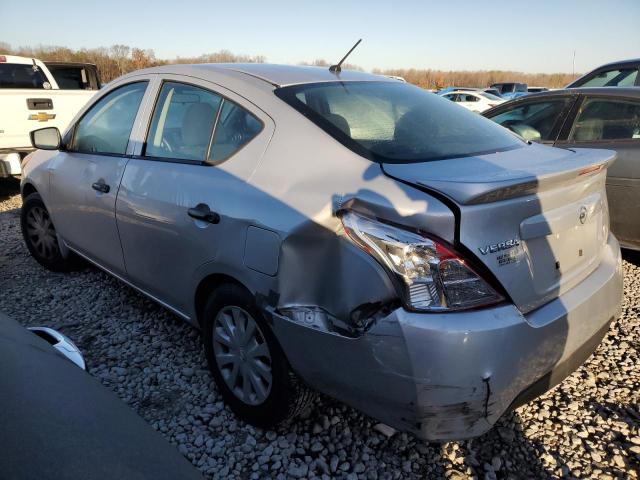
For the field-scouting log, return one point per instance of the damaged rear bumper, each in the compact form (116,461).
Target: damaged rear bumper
(451,376)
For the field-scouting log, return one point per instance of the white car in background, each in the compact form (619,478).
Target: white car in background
(475,101)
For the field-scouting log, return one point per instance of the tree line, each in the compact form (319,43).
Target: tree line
(117,60)
(435,79)
(120,59)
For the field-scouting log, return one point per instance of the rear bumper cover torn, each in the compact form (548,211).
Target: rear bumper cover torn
(451,376)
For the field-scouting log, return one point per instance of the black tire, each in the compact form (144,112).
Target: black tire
(48,256)
(288,396)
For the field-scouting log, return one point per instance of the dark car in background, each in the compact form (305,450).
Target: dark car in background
(615,74)
(58,422)
(607,118)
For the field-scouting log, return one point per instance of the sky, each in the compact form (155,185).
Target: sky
(527,36)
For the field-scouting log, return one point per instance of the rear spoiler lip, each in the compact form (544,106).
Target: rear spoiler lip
(487,192)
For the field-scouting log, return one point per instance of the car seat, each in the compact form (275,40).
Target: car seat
(196,130)
(340,122)
(589,130)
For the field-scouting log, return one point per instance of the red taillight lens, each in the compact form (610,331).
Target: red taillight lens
(435,277)
(3,59)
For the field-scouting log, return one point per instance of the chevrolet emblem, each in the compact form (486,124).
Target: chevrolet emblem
(42,117)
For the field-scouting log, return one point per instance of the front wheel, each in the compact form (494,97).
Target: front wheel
(247,363)
(40,235)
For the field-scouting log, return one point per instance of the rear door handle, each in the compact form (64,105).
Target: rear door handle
(101,187)
(204,213)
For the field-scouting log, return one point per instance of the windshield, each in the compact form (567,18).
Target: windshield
(17,75)
(394,122)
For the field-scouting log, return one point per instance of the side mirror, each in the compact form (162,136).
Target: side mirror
(60,342)
(46,138)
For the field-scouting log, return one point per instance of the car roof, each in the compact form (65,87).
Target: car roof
(17,59)
(622,63)
(70,64)
(277,75)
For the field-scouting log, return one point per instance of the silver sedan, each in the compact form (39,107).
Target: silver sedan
(336,231)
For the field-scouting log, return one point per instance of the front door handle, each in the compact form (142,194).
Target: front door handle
(101,187)
(204,213)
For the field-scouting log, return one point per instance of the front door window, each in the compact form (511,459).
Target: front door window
(536,119)
(106,127)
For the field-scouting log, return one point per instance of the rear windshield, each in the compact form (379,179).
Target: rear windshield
(17,75)
(394,122)
(70,78)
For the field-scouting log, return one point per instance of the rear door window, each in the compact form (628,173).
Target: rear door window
(182,122)
(539,118)
(106,127)
(70,78)
(17,75)
(605,119)
(234,129)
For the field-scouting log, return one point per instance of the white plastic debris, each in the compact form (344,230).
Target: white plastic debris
(385,429)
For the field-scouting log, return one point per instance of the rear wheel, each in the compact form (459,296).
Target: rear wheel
(246,361)
(40,235)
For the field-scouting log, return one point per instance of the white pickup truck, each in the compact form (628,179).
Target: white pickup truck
(34,96)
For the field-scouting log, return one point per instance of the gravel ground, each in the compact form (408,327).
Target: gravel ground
(588,427)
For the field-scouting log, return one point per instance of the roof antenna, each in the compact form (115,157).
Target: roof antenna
(336,68)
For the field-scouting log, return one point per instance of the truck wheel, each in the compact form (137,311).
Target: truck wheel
(40,236)
(247,363)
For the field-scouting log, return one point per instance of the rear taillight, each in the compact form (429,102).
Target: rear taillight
(433,276)
(3,59)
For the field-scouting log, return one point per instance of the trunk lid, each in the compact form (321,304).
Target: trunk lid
(536,217)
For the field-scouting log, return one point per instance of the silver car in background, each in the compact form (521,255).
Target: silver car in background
(337,230)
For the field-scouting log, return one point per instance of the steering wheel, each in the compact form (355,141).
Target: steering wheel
(165,145)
